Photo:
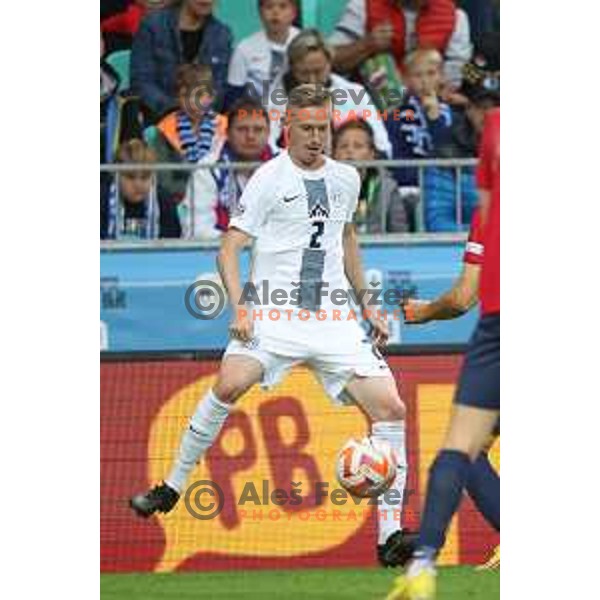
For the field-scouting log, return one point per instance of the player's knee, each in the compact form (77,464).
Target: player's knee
(488,443)
(228,391)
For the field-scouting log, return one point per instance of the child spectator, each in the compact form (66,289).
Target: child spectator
(130,206)
(261,58)
(425,121)
(213,193)
(191,132)
(186,32)
(479,93)
(380,206)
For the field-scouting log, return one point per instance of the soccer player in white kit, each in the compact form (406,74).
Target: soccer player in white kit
(298,210)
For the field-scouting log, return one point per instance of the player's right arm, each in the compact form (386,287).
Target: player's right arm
(245,225)
(450,305)
(464,293)
(228,262)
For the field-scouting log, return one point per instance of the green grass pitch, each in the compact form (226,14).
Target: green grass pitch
(454,583)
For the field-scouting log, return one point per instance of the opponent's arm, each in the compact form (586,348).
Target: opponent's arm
(355,274)
(228,263)
(450,305)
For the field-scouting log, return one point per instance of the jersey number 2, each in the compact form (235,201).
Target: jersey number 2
(314,238)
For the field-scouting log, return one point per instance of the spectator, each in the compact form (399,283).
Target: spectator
(133,208)
(213,194)
(425,121)
(484,16)
(109,85)
(262,57)
(380,206)
(371,27)
(191,132)
(109,78)
(310,62)
(112,7)
(479,93)
(120,27)
(483,67)
(187,32)
(120,113)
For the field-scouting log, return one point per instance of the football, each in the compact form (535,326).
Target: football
(366,468)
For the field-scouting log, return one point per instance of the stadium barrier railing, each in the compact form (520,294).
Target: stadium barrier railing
(458,166)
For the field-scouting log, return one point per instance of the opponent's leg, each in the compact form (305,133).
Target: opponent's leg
(483,486)
(474,418)
(468,433)
(378,397)
(237,374)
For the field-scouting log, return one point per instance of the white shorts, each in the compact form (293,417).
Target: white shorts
(333,370)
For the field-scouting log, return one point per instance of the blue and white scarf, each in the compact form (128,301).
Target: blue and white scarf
(415,128)
(227,185)
(119,225)
(196,146)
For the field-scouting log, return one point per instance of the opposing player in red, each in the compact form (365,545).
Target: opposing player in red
(483,484)
(477,401)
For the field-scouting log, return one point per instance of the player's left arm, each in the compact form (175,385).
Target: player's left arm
(356,276)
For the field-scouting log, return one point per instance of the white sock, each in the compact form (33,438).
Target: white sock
(204,427)
(389,515)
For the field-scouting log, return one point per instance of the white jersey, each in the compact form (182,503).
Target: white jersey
(297,218)
(257,60)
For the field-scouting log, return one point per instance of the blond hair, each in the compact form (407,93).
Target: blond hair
(135,152)
(191,76)
(423,55)
(309,40)
(308,95)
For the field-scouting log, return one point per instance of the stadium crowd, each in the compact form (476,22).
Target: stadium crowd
(410,79)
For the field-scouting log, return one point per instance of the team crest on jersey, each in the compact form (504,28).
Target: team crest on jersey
(317,200)
(318,211)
